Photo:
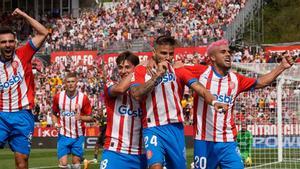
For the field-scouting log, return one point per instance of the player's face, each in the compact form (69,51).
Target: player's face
(164,53)
(221,57)
(125,68)
(71,84)
(244,126)
(7,45)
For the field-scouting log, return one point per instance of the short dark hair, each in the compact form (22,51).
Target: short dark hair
(129,56)
(71,74)
(165,40)
(6,29)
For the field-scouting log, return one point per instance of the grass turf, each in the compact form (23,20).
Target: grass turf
(46,158)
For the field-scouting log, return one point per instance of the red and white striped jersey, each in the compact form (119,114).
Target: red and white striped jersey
(210,125)
(162,105)
(124,128)
(65,108)
(17,80)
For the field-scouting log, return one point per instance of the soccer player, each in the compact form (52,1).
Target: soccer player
(123,139)
(71,109)
(245,140)
(215,133)
(160,92)
(17,89)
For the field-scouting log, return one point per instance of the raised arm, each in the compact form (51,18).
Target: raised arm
(122,87)
(42,32)
(265,80)
(141,90)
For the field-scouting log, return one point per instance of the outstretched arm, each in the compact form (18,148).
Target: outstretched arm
(268,78)
(208,97)
(42,32)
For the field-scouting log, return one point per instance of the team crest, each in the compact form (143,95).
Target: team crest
(231,85)
(149,154)
(15,64)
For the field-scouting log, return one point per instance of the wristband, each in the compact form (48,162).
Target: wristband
(214,102)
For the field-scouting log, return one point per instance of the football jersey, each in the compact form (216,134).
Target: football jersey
(65,108)
(124,130)
(162,105)
(17,80)
(210,125)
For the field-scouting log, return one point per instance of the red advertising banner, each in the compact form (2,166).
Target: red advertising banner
(280,49)
(78,57)
(111,57)
(256,130)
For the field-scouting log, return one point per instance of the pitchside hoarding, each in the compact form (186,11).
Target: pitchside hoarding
(265,136)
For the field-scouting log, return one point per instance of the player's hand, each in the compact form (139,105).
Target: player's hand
(178,64)
(77,112)
(248,161)
(151,67)
(57,126)
(287,60)
(17,12)
(220,107)
(162,68)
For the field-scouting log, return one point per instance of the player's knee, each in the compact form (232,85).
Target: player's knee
(76,166)
(63,166)
(156,166)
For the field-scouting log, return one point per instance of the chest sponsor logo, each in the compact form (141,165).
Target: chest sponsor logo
(14,79)
(125,110)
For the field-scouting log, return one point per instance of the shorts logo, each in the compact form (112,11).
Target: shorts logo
(149,154)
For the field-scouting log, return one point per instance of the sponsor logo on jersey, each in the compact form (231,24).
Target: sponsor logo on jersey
(10,82)
(68,114)
(224,98)
(167,77)
(125,110)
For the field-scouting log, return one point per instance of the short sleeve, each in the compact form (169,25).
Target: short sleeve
(86,106)
(55,106)
(26,52)
(196,70)
(245,83)
(185,76)
(138,77)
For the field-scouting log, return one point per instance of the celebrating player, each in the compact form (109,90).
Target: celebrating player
(17,89)
(71,109)
(123,140)
(245,140)
(216,132)
(160,91)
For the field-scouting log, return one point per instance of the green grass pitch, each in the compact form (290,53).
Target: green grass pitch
(46,158)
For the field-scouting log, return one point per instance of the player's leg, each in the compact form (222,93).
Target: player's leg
(63,150)
(77,150)
(96,149)
(175,146)
(204,156)
(22,126)
(4,129)
(155,151)
(230,157)
(114,160)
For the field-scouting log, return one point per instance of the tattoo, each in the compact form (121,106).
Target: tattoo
(144,89)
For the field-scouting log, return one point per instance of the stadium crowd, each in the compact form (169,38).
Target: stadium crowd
(191,22)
